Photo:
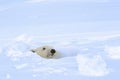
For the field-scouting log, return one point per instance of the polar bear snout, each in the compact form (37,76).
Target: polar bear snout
(53,51)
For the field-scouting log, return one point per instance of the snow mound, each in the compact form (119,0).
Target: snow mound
(19,47)
(25,38)
(113,51)
(18,50)
(92,66)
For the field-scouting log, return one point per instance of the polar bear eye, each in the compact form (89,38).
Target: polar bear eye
(44,48)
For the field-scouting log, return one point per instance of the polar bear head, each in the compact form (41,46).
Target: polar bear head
(46,52)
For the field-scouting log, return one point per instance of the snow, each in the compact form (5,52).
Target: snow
(88,56)
(8,76)
(92,66)
(113,51)
(21,66)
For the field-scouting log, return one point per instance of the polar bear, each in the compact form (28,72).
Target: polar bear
(47,52)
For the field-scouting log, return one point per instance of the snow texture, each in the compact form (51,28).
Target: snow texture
(88,57)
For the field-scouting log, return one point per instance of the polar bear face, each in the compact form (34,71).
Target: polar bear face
(45,51)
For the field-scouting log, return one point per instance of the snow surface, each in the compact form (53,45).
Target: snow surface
(91,56)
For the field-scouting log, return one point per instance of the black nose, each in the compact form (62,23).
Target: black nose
(52,51)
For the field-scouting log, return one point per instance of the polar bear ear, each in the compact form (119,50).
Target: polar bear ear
(33,51)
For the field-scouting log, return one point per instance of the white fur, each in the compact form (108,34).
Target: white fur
(45,53)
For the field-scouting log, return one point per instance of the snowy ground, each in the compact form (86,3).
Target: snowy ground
(96,57)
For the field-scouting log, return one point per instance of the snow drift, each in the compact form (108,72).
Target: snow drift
(88,56)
